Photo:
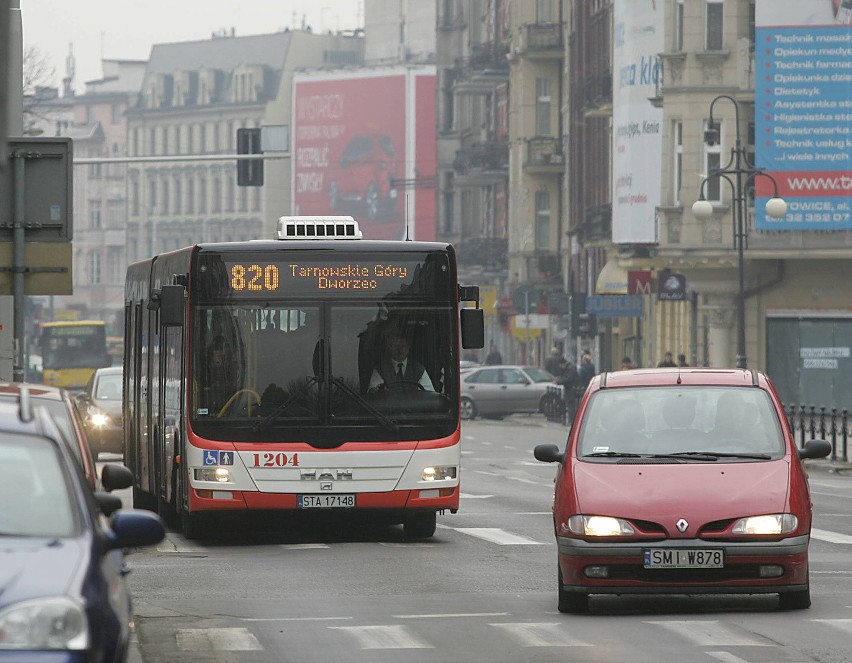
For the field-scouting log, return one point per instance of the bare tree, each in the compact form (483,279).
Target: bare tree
(39,92)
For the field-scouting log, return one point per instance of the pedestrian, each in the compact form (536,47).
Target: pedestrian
(587,369)
(667,362)
(681,360)
(553,364)
(568,378)
(626,363)
(494,357)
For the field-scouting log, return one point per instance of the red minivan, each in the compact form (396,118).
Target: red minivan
(682,481)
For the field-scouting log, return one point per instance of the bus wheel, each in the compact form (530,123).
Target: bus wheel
(421,526)
(195,525)
(143,500)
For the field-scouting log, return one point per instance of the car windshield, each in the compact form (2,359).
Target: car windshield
(35,492)
(699,422)
(108,387)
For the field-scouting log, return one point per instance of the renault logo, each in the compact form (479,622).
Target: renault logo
(682,525)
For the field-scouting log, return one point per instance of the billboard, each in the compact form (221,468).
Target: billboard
(803,113)
(637,138)
(365,145)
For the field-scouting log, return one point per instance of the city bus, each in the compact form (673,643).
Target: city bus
(250,369)
(71,351)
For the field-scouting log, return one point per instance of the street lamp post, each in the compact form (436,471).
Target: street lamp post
(743,171)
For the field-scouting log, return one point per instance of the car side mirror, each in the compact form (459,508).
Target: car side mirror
(116,477)
(548,453)
(814,449)
(108,504)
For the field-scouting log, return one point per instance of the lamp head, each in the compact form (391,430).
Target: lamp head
(702,209)
(776,208)
(711,134)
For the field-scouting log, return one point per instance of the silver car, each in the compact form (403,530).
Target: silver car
(494,391)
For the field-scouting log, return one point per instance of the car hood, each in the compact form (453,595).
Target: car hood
(39,567)
(111,407)
(699,493)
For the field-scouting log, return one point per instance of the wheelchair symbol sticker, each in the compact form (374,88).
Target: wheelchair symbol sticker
(211,457)
(226,458)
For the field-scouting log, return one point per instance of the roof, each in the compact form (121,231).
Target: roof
(223,53)
(686,376)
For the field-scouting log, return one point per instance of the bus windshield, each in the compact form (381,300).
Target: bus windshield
(327,363)
(74,345)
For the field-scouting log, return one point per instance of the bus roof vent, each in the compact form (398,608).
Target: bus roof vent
(318,227)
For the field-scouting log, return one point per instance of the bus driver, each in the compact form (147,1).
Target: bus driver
(397,367)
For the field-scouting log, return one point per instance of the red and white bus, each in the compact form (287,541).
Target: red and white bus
(249,379)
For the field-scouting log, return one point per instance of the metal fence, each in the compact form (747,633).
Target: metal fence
(808,422)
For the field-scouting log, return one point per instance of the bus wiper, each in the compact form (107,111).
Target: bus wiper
(386,421)
(281,409)
(722,454)
(611,454)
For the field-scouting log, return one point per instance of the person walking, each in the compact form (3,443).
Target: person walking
(587,370)
(553,364)
(667,362)
(568,378)
(681,360)
(627,363)
(494,357)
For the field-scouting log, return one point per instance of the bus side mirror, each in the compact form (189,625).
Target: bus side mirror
(472,328)
(171,305)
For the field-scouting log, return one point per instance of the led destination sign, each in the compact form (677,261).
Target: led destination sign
(274,277)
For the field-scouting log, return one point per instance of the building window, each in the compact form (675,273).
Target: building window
(166,201)
(190,195)
(189,138)
(542,219)
(544,11)
(115,213)
(678,27)
(152,195)
(95,214)
(677,166)
(152,141)
(202,139)
(542,107)
(712,163)
(216,202)
(229,193)
(94,267)
(202,195)
(116,113)
(449,203)
(713,27)
(134,197)
(178,196)
(255,192)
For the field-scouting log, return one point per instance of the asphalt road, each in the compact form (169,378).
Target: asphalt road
(482,590)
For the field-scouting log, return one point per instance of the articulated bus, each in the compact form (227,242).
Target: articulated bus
(71,351)
(251,377)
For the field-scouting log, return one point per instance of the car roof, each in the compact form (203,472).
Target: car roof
(653,377)
(36,390)
(110,370)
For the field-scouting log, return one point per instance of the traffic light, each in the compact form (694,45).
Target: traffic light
(588,324)
(249,171)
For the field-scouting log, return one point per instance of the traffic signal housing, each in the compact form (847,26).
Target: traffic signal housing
(249,171)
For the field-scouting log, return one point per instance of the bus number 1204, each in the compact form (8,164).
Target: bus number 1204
(269,459)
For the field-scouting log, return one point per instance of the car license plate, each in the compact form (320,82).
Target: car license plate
(326,501)
(684,558)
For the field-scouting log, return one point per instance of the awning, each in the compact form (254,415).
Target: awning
(612,279)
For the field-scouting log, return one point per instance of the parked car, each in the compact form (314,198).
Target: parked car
(100,405)
(63,582)
(682,481)
(63,409)
(364,176)
(494,391)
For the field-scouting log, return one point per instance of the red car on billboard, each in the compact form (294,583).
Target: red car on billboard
(364,180)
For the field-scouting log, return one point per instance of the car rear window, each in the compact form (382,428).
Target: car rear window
(35,492)
(670,420)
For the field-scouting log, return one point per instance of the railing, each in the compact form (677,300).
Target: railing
(808,422)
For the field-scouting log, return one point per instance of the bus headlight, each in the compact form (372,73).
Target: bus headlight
(439,472)
(220,474)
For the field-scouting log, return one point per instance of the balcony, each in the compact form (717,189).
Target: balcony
(485,69)
(597,95)
(483,254)
(482,163)
(544,155)
(541,41)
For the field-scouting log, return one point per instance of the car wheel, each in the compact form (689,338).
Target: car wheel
(372,201)
(468,409)
(797,600)
(574,602)
(333,196)
(421,526)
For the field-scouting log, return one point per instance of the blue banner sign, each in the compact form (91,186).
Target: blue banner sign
(615,306)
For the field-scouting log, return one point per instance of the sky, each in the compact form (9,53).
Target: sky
(126,29)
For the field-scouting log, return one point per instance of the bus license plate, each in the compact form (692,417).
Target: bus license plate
(326,501)
(688,558)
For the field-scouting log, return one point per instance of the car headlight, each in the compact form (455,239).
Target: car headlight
(48,623)
(773,524)
(99,419)
(439,472)
(599,526)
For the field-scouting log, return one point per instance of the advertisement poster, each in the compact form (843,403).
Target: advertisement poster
(637,125)
(364,146)
(803,112)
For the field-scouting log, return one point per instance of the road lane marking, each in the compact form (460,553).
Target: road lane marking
(384,637)
(712,634)
(216,639)
(831,537)
(498,536)
(453,615)
(545,484)
(844,625)
(303,546)
(726,657)
(294,619)
(541,635)
(490,474)
(469,496)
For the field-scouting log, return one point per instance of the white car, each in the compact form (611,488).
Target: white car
(494,391)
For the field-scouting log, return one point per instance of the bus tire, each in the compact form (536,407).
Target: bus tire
(420,526)
(195,525)
(143,500)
